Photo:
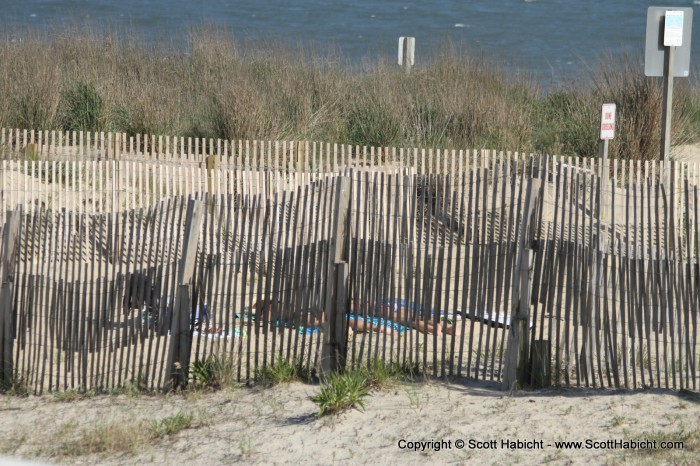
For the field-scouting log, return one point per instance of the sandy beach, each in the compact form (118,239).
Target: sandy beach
(408,423)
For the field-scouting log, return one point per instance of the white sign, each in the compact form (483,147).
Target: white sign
(673,29)
(607,122)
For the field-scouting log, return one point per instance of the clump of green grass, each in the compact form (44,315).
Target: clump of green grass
(171,425)
(81,108)
(690,441)
(283,371)
(617,421)
(349,389)
(381,374)
(341,392)
(213,373)
(372,123)
(137,386)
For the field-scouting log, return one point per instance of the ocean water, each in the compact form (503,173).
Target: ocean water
(553,39)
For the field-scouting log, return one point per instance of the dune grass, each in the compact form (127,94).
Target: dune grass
(349,389)
(83,80)
(341,392)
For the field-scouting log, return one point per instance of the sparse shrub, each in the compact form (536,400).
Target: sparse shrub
(81,108)
(381,374)
(341,392)
(372,124)
(171,425)
(283,371)
(429,126)
(617,421)
(138,117)
(215,372)
(690,440)
(68,396)
(112,438)
(137,386)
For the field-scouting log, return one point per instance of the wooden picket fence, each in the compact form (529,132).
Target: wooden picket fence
(596,281)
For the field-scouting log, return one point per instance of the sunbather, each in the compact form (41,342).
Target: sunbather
(390,323)
(401,315)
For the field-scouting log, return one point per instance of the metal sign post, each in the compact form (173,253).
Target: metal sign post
(668,55)
(673,37)
(667,107)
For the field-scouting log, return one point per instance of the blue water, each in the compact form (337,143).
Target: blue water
(549,38)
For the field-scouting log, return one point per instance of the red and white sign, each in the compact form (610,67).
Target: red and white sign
(607,122)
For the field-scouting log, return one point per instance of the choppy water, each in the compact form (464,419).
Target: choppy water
(550,38)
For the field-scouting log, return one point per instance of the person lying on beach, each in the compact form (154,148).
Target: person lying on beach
(274,313)
(402,315)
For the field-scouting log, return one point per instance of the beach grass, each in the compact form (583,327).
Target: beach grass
(215,372)
(283,371)
(340,392)
(78,79)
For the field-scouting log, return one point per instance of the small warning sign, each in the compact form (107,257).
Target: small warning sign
(673,29)
(607,122)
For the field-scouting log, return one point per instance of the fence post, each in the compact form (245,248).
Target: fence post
(7,259)
(517,354)
(180,333)
(407,52)
(334,316)
(212,165)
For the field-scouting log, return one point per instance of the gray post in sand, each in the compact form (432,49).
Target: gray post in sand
(517,354)
(333,326)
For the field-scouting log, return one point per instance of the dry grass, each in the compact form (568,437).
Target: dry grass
(79,79)
(119,437)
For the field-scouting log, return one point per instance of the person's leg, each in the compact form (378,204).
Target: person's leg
(357,324)
(360,325)
(425,326)
(452,330)
(388,329)
(418,323)
(428,327)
